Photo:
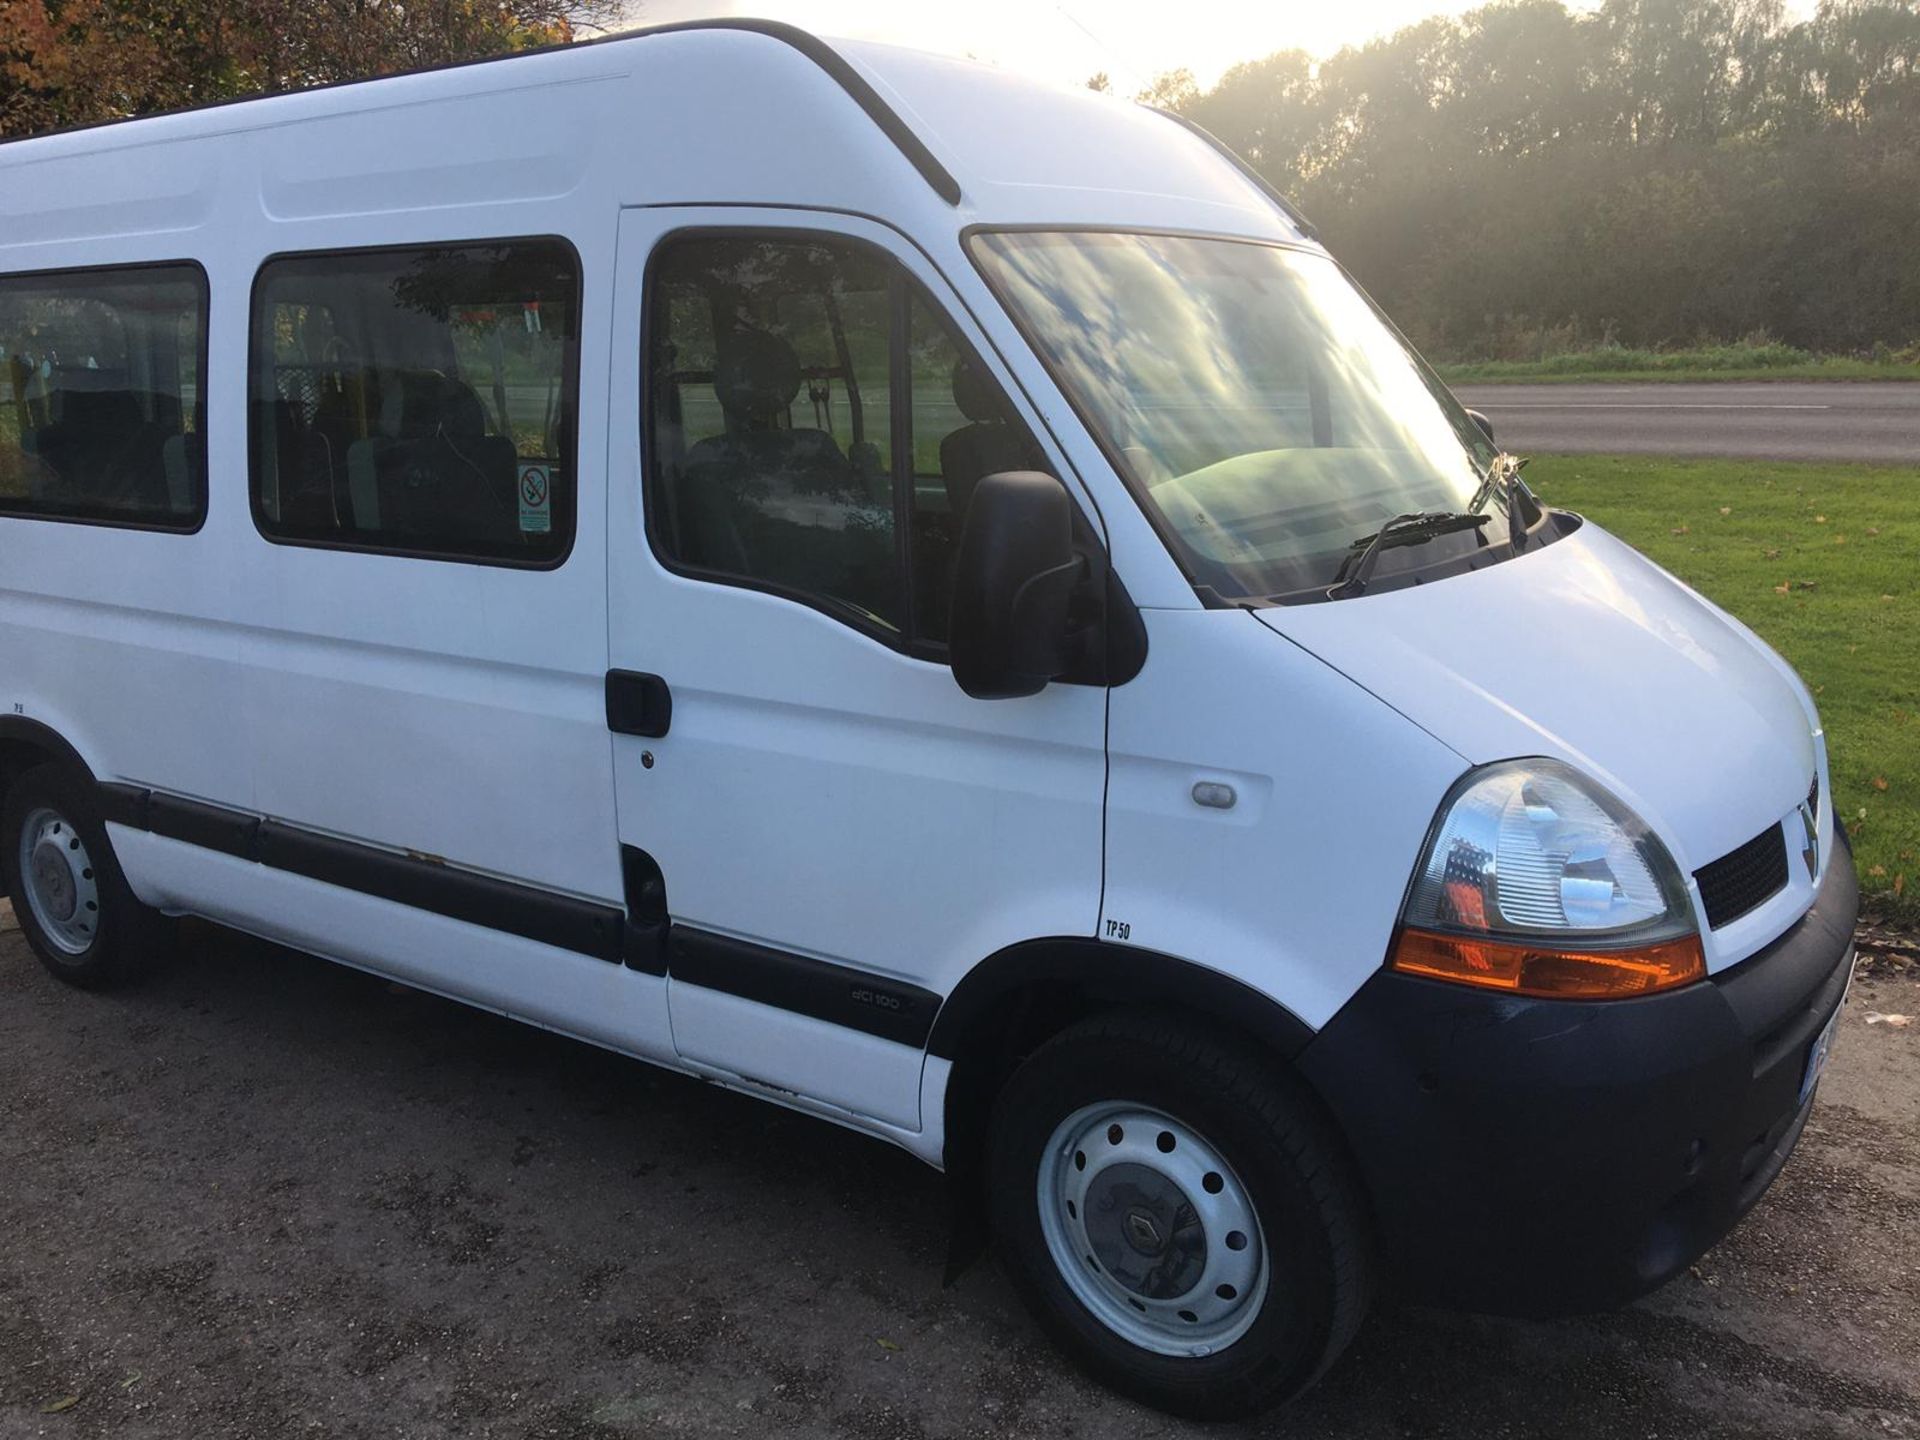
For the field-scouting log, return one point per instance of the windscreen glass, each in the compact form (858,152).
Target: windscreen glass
(1253,398)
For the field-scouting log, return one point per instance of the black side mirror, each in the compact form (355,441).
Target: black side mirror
(1486,425)
(1013,582)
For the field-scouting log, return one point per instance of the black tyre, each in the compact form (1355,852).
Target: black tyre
(69,896)
(1177,1216)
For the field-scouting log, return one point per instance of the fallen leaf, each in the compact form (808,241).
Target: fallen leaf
(1773,554)
(1726,509)
(1819,519)
(1786,589)
(1892,1022)
(1899,885)
(1680,530)
(1879,782)
(1878,871)
(886,1344)
(1839,539)
(1886,597)
(1873,529)
(60,1407)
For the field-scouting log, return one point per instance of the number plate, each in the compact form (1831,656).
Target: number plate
(1823,1047)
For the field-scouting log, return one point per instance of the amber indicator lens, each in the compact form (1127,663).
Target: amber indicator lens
(1566,974)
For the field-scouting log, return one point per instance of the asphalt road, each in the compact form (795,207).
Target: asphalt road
(1775,420)
(262,1196)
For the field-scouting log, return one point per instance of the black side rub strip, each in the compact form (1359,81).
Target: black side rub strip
(124,805)
(890,1009)
(562,921)
(557,920)
(638,937)
(209,826)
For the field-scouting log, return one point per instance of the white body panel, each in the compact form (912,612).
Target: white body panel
(1605,661)
(818,793)
(1295,890)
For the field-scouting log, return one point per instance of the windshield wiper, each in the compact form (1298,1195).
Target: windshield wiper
(1517,496)
(1413,528)
(1503,472)
(1495,473)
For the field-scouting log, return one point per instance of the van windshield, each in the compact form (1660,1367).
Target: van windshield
(1254,400)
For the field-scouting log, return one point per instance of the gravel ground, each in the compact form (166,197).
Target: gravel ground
(264,1196)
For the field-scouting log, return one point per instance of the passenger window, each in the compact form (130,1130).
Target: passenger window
(419,401)
(100,414)
(962,430)
(807,409)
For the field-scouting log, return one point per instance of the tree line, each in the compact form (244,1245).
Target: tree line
(78,62)
(1650,172)
(1523,178)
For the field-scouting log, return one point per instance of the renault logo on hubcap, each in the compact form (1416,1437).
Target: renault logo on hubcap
(1810,852)
(1144,1234)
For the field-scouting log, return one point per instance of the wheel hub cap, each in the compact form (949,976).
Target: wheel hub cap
(57,873)
(1151,1229)
(1144,1231)
(54,881)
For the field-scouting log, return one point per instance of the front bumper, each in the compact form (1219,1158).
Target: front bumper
(1542,1157)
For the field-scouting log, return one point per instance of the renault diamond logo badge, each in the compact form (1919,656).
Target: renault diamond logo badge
(1810,852)
(1144,1233)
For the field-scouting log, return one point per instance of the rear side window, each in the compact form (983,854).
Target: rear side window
(101,414)
(420,401)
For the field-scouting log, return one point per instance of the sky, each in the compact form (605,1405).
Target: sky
(1132,40)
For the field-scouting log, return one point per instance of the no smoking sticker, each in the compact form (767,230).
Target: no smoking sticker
(536,498)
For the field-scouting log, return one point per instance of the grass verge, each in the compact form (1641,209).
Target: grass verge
(1676,366)
(1823,561)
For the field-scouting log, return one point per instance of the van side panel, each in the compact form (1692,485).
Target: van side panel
(451,710)
(1295,886)
(576,994)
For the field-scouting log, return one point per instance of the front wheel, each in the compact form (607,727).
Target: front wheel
(1176,1215)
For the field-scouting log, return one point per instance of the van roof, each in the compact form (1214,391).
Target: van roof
(1001,146)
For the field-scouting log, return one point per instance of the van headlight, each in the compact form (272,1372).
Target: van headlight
(1536,881)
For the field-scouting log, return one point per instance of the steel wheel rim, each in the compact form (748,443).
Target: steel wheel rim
(57,876)
(1151,1229)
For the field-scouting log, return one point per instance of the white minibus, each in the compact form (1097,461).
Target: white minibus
(928,598)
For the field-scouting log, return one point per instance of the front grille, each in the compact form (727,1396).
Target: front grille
(1744,878)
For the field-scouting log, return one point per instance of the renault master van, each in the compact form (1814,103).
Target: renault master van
(929,599)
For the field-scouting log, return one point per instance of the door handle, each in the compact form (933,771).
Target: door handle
(638,704)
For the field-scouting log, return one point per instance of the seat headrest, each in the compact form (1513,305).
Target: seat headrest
(416,404)
(463,414)
(975,393)
(755,375)
(87,407)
